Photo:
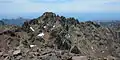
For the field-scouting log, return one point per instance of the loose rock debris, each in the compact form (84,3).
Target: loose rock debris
(59,38)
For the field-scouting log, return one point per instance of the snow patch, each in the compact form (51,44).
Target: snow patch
(41,34)
(92,48)
(44,26)
(32,46)
(53,26)
(32,29)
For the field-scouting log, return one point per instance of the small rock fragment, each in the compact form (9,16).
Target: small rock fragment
(19,57)
(79,58)
(16,52)
(75,50)
(1,53)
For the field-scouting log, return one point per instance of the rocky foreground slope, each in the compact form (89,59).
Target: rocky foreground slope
(54,37)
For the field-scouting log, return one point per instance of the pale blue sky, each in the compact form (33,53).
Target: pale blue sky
(21,7)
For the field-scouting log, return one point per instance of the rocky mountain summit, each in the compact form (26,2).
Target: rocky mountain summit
(54,37)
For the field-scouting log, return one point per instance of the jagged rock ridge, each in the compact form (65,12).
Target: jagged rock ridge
(58,38)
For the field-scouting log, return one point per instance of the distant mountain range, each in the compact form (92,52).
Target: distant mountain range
(17,21)
(109,23)
(1,23)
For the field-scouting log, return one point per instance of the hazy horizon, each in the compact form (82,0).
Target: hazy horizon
(79,16)
(80,9)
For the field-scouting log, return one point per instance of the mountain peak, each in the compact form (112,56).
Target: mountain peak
(49,14)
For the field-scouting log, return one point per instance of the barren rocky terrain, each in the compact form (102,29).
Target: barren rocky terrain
(54,37)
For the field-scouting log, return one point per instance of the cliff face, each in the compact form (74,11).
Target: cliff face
(55,37)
